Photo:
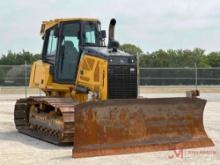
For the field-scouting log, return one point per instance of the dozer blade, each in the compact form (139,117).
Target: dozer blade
(138,125)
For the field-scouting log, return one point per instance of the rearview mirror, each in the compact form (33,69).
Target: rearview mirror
(103,34)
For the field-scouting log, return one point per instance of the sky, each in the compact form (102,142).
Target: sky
(149,24)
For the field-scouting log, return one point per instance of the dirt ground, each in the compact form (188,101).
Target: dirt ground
(16,148)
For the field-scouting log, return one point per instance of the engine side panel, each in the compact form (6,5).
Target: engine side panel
(92,74)
(41,78)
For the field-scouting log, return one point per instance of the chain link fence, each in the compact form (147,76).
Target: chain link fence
(14,75)
(17,76)
(14,79)
(179,76)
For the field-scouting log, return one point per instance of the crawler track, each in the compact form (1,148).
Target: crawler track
(46,118)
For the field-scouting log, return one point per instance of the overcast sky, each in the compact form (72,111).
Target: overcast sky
(150,24)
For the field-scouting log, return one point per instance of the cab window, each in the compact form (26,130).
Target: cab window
(52,44)
(90,34)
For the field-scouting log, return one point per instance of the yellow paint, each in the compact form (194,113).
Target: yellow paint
(49,24)
(92,73)
(41,78)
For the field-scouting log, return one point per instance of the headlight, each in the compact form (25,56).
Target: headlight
(131,60)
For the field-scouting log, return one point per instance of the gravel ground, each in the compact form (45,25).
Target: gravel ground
(16,148)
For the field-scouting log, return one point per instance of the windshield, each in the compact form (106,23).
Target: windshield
(92,34)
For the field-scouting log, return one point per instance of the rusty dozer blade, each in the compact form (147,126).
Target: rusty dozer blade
(138,125)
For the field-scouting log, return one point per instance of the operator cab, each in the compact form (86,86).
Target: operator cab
(64,42)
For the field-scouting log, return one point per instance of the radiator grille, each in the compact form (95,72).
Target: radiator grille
(122,82)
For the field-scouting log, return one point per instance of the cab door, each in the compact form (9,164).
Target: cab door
(68,56)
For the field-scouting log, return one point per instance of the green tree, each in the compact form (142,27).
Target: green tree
(18,58)
(213,59)
(177,58)
(131,49)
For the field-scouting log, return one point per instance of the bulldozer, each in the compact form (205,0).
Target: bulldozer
(91,97)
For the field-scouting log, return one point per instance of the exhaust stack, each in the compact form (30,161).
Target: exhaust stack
(112,44)
(111,31)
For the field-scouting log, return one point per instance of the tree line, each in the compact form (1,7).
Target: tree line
(174,58)
(12,58)
(159,58)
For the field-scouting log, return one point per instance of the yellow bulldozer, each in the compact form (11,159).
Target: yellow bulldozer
(91,97)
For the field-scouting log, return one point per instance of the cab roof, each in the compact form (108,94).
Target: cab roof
(48,24)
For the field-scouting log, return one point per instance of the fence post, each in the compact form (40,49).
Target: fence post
(25,78)
(196,76)
(138,74)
